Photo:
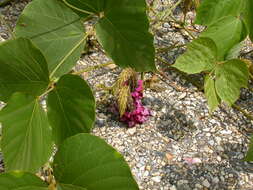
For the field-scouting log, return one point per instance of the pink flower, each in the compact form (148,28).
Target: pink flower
(140,113)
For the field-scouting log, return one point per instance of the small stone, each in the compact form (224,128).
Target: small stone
(131,131)
(216,180)
(156,179)
(182,96)
(173,187)
(206,183)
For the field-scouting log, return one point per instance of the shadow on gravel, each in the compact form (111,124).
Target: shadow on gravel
(173,123)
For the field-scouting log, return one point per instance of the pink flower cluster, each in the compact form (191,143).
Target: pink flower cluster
(140,113)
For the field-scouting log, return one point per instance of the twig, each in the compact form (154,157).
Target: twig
(91,68)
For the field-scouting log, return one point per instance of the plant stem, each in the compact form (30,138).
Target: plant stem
(166,49)
(91,68)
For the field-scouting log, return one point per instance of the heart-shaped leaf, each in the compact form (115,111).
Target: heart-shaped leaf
(231,76)
(200,56)
(22,69)
(210,93)
(18,180)
(71,107)
(123,31)
(56,30)
(212,10)
(26,139)
(86,161)
(226,33)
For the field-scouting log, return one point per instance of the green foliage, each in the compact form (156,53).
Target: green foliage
(212,10)
(71,107)
(230,77)
(91,165)
(35,66)
(17,180)
(26,139)
(210,93)
(56,30)
(22,69)
(200,56)
(226,32)
(123,31)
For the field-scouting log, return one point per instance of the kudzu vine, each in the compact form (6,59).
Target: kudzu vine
(36,65)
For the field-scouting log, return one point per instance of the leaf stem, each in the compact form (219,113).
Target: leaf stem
(69,53)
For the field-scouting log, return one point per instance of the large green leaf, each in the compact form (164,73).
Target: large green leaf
(86,161)
(71,107)
(212,10)
(249,156)
(22,69)
(123,31)
(210,93)
(231,76)
(226,33)
(18,180)
(26,140)
(56,30)
(200,56)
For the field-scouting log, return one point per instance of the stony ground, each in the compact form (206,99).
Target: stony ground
(182,146)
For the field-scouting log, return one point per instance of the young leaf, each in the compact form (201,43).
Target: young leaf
(71,107)
(212,10)
(18,180)
(249,156)
(56,30)
(226,33)
(231,76)
(123,31)
(22,69)
(200,56)
(86,161)
(210,93)
(26,140)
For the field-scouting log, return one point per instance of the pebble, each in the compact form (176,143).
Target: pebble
(206,183)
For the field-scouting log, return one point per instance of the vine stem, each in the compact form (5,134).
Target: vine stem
(91,68)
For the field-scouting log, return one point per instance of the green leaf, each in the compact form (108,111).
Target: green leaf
(86,161)
(200,56)
(210,93)
(18,180)
(123,31)
(86,6)
(22,69)
(56,30)
(71,107)
(234,52)
(231,76)
(249,156)
(26,141)
(211,11)
(226,33)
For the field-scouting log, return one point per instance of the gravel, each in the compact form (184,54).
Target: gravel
(182,146)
